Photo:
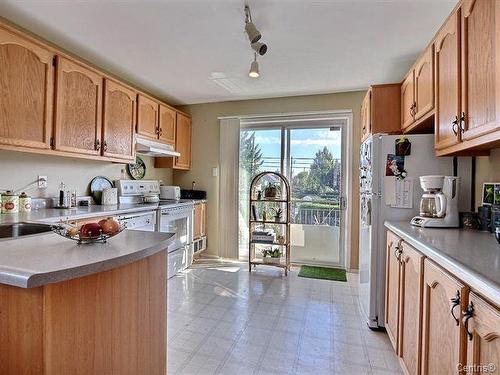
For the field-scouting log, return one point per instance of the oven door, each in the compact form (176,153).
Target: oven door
(180,224)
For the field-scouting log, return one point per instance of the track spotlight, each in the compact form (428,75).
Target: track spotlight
(260,48)
(254,35)
(254,68)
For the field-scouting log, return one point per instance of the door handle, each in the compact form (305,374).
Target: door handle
(455,301)
(462,122)
(469,313)
(455,125)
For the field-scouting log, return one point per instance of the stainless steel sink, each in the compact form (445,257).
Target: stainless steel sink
(22,229)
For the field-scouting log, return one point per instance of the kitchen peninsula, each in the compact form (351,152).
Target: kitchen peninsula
(84,309)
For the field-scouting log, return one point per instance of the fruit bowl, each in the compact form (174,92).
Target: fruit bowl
(94,235)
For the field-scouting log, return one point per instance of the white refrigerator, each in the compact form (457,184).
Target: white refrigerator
(379,197)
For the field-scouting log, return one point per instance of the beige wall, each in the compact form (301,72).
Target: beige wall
(205,146)
(487,170)
(20,170)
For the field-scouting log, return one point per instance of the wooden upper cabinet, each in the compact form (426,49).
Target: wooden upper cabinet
(119,119)
(183,142)
(480,23)
(483,326)
(447,51)
(443,336)
(424,84)
(167,124)
(408,100)
(392,275)
(26,92)
(365,116)
(78,108)
(147,117)
(410,309)
(380,110)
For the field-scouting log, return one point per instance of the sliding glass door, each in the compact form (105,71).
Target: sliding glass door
(311,158)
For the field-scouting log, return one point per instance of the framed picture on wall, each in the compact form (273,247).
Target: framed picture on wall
(490,192)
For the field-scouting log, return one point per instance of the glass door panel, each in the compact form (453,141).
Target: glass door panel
(314,169)
(260,150)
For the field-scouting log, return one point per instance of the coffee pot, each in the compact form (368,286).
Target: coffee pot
(439,203)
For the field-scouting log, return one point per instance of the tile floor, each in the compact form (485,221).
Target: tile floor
(225,320)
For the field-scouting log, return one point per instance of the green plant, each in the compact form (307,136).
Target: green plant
(271,190)
(280,238)
(271,253)
(278,213)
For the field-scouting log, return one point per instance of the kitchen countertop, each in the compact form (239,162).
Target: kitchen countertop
(472,256)
(40,259)
(52,215)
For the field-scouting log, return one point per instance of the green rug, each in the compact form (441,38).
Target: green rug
(312,272)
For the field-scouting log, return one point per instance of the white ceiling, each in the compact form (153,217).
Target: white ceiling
(194,51)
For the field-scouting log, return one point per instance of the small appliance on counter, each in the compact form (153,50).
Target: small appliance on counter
(439,203)
(170,193)
(109,196)
(193,194)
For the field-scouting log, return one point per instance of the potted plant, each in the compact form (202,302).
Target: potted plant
(281,239)
(271,255)
(278,213)
(271,190)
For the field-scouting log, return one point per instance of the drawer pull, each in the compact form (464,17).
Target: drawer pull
(455,301)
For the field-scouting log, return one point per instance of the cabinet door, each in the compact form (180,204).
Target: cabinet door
(119,120)
(147,117)
(447,84)
(26,92)
(424,84)
(480,67)
(183,142)
(203,224)
(78,108)
(392,275)
(167,124)
(410,308)
(442,335)
(408,100)
(197,221)
(365,116)
(483,345)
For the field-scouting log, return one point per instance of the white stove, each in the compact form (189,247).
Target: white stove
(138,191)
(174,216)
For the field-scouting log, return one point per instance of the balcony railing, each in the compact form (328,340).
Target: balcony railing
(316,216)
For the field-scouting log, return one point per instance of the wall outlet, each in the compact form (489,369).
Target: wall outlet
(42,182)
(215,171)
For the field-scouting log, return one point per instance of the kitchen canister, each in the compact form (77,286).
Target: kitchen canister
(10,203)
(24,203)
(109,196)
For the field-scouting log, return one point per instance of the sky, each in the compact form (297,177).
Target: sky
(304,143)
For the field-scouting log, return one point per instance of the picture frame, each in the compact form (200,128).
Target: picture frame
(490,194)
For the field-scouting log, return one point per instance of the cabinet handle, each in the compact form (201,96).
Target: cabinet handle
(157,130)
(462,122)
(105,146)
(160,131)
(455,125)
(455,301)
(97,145)
(469,313)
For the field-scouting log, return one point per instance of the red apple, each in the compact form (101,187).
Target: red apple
(109,226)
(90,231)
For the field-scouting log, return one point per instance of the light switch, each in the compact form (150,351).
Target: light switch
(215,172)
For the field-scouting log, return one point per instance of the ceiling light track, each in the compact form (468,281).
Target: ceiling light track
(254,36)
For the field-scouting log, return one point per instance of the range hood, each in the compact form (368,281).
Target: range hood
(152,148)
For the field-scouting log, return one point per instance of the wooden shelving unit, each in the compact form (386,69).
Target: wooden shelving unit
(282,201)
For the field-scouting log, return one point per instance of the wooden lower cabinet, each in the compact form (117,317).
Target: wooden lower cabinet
(482,322)
(410,308)
(112,322)
(199,224)
(392,290)
(443,336)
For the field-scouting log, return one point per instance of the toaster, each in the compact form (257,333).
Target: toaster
(170,192)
